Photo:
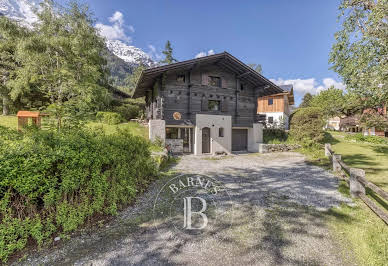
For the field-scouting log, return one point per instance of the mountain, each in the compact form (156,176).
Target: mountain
(130,54)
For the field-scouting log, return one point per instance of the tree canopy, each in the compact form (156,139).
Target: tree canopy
(360,52)
(62,59)
(306,100)
(168,52)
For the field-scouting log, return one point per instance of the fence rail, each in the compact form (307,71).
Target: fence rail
(357,183)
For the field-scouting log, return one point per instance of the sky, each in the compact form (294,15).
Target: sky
(291,39)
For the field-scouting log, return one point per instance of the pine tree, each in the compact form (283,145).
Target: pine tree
(132,79)
(169,59)
(306,100)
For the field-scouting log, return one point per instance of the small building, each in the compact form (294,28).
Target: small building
(206,105)
(333,123)
(24,116)
(277,107)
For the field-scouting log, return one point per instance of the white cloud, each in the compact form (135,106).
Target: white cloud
(310,85)
(154,53)
(202,54)
(116,31)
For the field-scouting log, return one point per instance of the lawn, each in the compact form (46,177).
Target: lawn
(373,158)
(9,121)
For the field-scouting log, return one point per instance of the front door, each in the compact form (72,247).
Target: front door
(205,140)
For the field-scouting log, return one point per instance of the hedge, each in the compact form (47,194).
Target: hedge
(110,118)
(52,183)
(307,125)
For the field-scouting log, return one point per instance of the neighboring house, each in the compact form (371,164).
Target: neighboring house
(350,124)
(206,105)
(277,107)
(333,123)
(382,132)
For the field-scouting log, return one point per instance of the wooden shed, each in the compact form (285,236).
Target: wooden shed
(23,117)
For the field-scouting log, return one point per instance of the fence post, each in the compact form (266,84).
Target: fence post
(356,188)
(327,147)
(336,165)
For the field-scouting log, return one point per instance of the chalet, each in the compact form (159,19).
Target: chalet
(277,107)
(206,105)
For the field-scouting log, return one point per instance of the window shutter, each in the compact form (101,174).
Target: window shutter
(204,78)
(204,104)
(224,105)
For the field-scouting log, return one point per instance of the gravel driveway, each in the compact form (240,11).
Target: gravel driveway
(277,220)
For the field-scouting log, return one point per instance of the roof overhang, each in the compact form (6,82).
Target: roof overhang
(224,60)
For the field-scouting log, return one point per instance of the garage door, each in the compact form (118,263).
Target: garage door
(239,139)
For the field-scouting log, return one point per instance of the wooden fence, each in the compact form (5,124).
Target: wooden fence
(357,183)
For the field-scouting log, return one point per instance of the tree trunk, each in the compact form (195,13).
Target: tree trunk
(5,105)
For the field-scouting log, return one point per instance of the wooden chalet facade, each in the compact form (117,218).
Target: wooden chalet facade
(205,105)
(276,107)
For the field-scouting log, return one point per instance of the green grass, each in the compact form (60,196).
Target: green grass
(133,127)
(9,121)
(373,158)
(360,232)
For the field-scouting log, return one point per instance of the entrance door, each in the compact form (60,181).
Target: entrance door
(239,139)
(205,140)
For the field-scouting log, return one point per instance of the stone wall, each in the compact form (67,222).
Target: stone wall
(265,148)
(176,145)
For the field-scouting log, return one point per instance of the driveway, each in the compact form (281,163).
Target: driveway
(278,219)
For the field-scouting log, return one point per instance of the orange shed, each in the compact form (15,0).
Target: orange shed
(23,117)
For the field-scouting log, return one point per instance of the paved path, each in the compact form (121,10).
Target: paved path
(277,220)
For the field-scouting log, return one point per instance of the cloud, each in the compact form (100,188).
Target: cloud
(202,54)
(310,85)
(116,31)
(154,53)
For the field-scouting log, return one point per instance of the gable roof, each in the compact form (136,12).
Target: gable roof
(223,60)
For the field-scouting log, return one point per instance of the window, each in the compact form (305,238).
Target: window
(221,132)
(215,81)
(241,87)
(181,78)
(214,105)
(270,119)
(270,101)
(172,133)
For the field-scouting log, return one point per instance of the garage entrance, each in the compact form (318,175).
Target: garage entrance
(239,139)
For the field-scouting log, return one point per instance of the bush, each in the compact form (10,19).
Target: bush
(129,111)
(109,118)
(359,137)
(54,182)
(307,126)
(274,135)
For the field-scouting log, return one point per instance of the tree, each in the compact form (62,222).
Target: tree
(306,100)
(257,67)
(10,34)
(330,101)
(63,58)
(359,54)
(132,79)
(169,59)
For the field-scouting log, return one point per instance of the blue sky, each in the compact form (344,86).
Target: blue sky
(290,39)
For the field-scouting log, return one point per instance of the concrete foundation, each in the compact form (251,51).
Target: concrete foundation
(157,130)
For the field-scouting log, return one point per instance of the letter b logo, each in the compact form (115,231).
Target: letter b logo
(188,213)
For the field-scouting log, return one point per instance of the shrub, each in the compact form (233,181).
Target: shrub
(307,126)
(109,118)
(359,137)
(54,182)
(128,111)
(274,135)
